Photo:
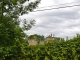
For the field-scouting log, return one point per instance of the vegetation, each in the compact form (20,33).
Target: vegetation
(13,40)
(56,50)
(37,37)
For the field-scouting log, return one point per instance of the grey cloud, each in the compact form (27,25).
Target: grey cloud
(63,14)
(61,23)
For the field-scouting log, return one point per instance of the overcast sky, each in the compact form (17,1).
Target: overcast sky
(60,22)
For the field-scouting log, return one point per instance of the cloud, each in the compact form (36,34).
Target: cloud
(60,22)
(63,1)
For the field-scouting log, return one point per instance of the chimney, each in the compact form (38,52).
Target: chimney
(51,35)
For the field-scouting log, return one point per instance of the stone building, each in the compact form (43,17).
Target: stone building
(41,42)
(32,42)
(50,38)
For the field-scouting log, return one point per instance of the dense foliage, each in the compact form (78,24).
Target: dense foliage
(56,50)
(13,40)
(37,37)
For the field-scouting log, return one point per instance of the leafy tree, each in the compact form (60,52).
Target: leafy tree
(12,36)
(15,8)
(12,39)
(12,9)
(37,37)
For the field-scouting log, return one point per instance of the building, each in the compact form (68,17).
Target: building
(50,38)
(32,42)
(42,42)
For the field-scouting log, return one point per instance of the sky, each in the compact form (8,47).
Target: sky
(59,22)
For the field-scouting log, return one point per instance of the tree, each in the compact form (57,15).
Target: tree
(12,36)
(37,37)
(11,10)
(15,8)
(12,39)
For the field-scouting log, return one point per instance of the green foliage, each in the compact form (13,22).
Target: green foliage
(13,40)
(37,37)
(6,31)
(56,50)
(28,26)
(14,8)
